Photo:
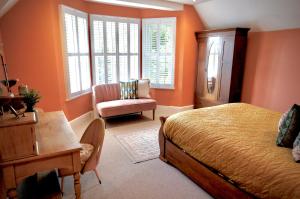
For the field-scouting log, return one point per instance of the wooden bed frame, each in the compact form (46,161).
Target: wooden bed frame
(216,184)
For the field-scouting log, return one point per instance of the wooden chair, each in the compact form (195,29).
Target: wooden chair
(93,136)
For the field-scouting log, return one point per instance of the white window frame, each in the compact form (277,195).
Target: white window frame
(158,21)
(65,9)
(104,19)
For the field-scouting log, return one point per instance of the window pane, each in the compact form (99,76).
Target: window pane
(166,38)
(123,69)
(71,35)
(98,37)
(134,70)
(123,38)
(74,74)
(99,69)
(134,37)
(82,35)
(150,70)
(85,72)
(165,70)
(158,51)
(111,69)
(153,38)
(111,36)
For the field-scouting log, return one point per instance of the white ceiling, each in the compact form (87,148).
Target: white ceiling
(259,15)
(153,4)
(185,1)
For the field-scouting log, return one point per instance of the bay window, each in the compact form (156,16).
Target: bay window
(76,50)
(159,41)
(115,48)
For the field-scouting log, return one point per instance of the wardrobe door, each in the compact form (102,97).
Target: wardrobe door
(202,54)
(226,68)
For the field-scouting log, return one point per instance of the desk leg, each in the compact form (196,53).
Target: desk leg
(12,194)
(10,182)
(77,185)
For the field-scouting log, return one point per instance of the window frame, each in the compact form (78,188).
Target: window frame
(159,21)
(77,13)
(117,20)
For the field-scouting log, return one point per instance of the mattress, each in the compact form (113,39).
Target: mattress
(238,140)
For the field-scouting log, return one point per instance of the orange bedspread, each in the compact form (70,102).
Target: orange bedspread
(238,140)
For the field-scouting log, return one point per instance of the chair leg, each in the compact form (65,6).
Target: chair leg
(62,185)
(97,174)
(153,114)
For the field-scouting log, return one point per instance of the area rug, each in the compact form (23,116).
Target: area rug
(140,145)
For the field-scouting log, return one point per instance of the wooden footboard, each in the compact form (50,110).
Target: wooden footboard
(214,183)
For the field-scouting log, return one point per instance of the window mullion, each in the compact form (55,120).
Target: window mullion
(78,55)
(128,50)
(117,51)
(139,51)
(105,51)
(157,54)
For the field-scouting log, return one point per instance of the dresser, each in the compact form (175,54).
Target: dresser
(221,58)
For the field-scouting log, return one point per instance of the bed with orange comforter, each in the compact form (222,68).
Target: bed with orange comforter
(238,141)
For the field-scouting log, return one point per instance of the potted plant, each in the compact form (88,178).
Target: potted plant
(30,99)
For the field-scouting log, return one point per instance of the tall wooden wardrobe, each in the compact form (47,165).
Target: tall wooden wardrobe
(220,68)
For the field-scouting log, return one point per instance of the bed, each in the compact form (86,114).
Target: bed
(230,151)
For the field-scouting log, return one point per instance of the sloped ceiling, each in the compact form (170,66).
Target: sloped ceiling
(5,5)
(259,15)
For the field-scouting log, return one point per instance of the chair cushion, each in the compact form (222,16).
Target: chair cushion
(129,89)
(85,152)
(144,88)
(121,107)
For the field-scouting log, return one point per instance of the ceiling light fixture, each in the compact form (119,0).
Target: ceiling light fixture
(134,4)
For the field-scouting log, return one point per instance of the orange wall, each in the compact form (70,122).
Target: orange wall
(27,34)
(272,70)
(32,44)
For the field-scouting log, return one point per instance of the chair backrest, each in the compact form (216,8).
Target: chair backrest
(94,135)
(106,92)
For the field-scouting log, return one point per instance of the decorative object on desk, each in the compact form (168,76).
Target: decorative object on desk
(30,99)
(12,103)
(23,89)
(8,83)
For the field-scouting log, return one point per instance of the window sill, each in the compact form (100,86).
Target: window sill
(158,88)
(78,96)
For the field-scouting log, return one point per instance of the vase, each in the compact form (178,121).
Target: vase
(29,108)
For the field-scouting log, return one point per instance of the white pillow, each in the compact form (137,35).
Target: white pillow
(144,88)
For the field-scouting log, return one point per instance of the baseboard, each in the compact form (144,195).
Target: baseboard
(161,110)
(81,119)
(175,108)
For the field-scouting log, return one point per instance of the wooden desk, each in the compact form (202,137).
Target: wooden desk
(58,147)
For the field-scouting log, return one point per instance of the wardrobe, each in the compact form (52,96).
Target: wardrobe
(221,58)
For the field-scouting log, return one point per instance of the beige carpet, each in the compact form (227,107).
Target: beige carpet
(141,144)
(121,179)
